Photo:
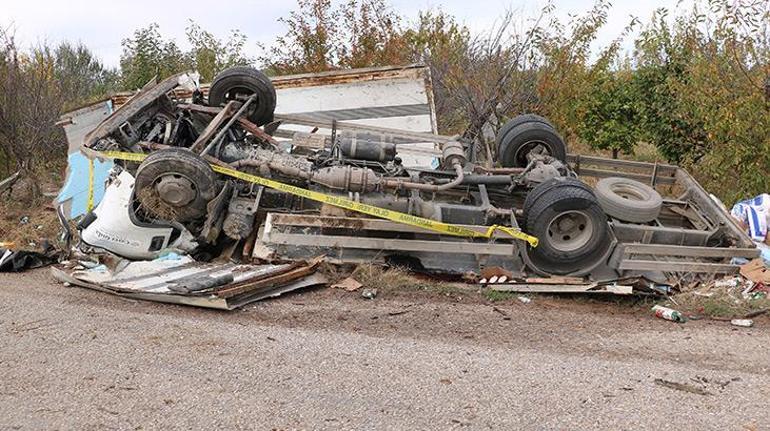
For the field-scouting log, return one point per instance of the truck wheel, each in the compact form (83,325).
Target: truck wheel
(239,83)
(175,184)
(572,230)
(628,200)
(528,137)
(543,187)
(517,120)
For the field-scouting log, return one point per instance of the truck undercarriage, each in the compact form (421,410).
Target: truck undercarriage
(591,216)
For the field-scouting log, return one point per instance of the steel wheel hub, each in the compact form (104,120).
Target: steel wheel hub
(175,190)
(570,230)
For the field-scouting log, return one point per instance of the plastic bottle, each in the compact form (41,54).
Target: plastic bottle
(668,314)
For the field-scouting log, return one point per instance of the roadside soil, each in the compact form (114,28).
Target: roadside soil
(329,359)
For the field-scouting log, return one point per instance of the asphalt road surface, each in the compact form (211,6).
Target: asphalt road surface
(71,358)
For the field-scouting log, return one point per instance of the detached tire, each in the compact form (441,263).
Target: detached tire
(572,229)
(525,137)
(240,82)
(628,200)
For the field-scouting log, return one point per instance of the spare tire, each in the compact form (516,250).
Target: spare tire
(240,82)
(525,137)
(628,200)
(517,120)
(572,229)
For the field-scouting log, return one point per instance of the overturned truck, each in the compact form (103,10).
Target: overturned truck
(216,171)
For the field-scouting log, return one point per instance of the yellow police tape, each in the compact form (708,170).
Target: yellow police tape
(348,204)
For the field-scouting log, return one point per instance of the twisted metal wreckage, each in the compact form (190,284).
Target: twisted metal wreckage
(216,172)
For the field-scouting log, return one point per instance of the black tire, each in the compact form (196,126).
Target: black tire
(543,187)
(515,145)
(238,82)
(628,200)
(517,120)
(567,249)
(180,163)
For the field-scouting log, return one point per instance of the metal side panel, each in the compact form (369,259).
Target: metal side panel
(153,281)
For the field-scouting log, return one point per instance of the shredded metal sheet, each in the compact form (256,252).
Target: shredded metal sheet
(151,280)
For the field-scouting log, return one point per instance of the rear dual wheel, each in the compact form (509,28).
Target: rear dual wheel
(566,217)
(525,134)
(241,82)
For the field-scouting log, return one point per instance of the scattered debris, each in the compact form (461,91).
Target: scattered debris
(668,314)
(523,299)
(369,293)
(756,271)
(181,280)
(746,323)
(17,261)
(399,312)
(350,284)
(501,312)
(684,387)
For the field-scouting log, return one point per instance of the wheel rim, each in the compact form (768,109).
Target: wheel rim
(176,189)
(520,156)
(570,230)
(630,193)
(241,94)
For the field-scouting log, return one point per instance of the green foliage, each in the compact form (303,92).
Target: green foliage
(696,88)
(210,55)
(610,113)
(80,75)
(320,37)
(36,85)
(146,56)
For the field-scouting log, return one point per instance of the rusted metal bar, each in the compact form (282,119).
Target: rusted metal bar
(412,137)
(223,131)
(243,122)
(212,127)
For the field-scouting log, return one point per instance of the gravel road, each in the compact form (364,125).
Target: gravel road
(72,358)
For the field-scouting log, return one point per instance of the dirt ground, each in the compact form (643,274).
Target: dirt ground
(73,358)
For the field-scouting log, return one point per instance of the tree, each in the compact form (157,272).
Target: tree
(211,55)
(320,37)
(80,76)
(147,55)
(610,114)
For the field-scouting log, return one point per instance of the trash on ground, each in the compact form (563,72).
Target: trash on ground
(350,284)
(369,293)
(684,387)
(17,261)
(668,314)
(746,323)
(756,271)
(524,299)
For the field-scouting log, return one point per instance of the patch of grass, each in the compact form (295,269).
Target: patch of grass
(42,223)
(721,304)
(399,279)
(647,152)
(497,296)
